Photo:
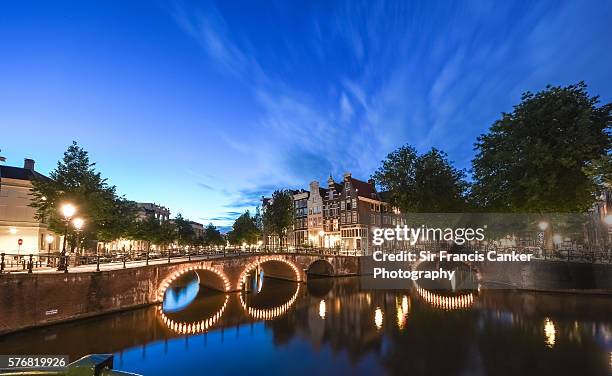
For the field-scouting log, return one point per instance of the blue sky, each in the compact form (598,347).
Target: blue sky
(205,106)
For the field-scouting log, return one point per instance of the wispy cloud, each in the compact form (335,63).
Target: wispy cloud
(359,79)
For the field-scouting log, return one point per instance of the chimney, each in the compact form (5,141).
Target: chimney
(28,164)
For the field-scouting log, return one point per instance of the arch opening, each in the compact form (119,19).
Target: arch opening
(320,268)
(206,276)
(272,267)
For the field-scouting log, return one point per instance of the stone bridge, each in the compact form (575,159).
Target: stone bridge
(28,300)
(230,274)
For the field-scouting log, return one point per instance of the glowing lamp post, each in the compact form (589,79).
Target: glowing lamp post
(68,210)
(78,226)
(49,239)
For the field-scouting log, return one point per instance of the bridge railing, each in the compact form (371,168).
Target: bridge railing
(29,263)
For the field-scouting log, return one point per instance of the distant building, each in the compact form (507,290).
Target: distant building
(198,229)
(149,209)
(315,214)
(17,218)
(299,237)
(340,216)
(598,231)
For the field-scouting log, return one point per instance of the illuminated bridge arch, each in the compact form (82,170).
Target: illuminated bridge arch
(167,282)
(192,327)
(444,302)
(270,313)
(264,259)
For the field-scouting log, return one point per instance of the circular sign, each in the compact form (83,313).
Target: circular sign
(20,241)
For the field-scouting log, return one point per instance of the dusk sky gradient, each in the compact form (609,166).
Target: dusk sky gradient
(204,107)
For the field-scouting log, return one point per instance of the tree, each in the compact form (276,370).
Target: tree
(422,183)
(146,230)
(75,180)
(244,230)
(166,235)
(212,236)
(185,233)
(547,155)
(120,223)
(278,216)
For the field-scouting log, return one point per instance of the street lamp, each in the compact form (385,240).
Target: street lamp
(68,211)
(49,239)
(78,226)
(543,225)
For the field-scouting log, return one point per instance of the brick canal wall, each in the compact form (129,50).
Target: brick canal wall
(28,300)
(548,275)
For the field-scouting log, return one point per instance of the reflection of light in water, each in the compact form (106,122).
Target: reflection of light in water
(195,327)
(270,313)
(322,309)
(176,299)
(549,332)
(402,310)
(446,302)
(261,281)
(378,318)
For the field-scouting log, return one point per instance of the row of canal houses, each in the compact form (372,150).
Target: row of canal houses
(338,216)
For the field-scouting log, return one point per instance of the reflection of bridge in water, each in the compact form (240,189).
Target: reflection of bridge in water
(337,314)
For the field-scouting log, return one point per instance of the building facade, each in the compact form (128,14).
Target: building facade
(17,219)
(198,229)
(150,209)
(299,237)
(340,216)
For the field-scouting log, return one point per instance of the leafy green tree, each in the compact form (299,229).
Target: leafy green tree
(422,183)
(75,180)
(212,236)
(166,235)
(146,230)
(547,155)
(278,217)
(120,223)
(244,230)
(184,231)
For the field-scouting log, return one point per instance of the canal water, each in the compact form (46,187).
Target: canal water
(336,326)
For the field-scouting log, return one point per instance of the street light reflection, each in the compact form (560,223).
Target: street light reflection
(322,309)
(549,332)
(378,318)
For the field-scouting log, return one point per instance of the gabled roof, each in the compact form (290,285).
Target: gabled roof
(365,189)
(20,173)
